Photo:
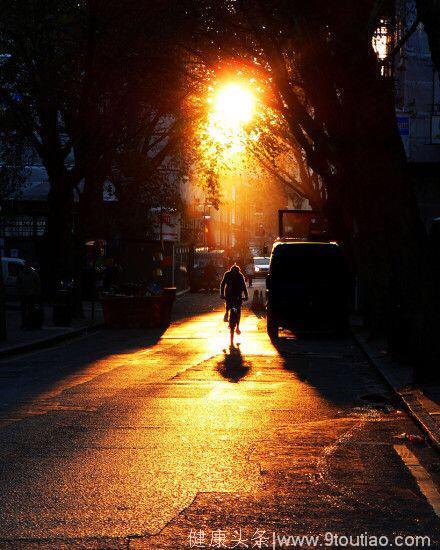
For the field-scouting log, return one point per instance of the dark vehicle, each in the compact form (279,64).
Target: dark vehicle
(308,287)
(207,269)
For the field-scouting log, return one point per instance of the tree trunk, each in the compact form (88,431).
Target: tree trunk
(59,231)
(369,191)
(91,208)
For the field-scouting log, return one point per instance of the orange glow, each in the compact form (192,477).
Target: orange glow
(232,108)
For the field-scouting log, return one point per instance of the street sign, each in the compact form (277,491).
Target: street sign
(403,124)
(302,225)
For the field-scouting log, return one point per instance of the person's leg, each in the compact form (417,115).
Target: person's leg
(226,316)
(237,330)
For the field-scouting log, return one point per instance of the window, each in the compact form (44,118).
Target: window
(14,268)
(40,226)
(24,226)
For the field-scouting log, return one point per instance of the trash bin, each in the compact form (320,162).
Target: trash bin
(62,308)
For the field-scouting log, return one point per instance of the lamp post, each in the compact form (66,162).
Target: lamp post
(206,220)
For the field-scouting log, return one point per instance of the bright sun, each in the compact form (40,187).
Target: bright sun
(232,108)
(235,104)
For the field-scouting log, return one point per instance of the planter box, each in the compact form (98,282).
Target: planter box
(138,311)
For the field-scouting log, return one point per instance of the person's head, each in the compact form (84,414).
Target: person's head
(235,269)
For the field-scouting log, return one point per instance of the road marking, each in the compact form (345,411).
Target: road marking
(422,477)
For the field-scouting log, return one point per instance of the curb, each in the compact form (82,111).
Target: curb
(182,292)
(58,338)
(409,398)
(49,341)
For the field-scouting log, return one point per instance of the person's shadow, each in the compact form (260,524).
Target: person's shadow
(233,367)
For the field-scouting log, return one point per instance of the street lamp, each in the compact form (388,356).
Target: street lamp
(206,217)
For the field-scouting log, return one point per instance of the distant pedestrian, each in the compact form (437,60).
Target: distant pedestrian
(210,276)
(249,270)
(112,275)
(29,290)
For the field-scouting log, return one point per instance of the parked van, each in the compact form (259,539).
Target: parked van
(308,287)
(11,267)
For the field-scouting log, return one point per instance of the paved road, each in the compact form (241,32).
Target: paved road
(126,439)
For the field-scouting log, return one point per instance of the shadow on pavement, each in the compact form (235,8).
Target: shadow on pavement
(28,376)
(329,363)
(25,378)
(233,367)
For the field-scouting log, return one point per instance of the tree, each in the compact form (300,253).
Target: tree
(263,145)
(13,172)
(327,84)
(72,80)
(39,40)
(147,170)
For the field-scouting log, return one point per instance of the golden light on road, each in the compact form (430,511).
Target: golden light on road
(232,107)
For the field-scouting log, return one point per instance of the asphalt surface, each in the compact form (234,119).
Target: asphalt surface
(131,439)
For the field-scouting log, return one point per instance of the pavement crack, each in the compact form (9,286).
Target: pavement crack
(323,466)
(188,368)
(162,529)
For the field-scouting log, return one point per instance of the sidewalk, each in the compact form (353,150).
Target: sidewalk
(421,401)
(19,340)
(22,341)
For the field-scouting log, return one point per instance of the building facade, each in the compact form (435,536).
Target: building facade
(417,89)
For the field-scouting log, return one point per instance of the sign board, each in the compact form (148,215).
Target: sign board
(166,225)
(303,225)
(435,129)
(403,124)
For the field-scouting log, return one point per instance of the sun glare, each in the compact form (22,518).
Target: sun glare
(234,104)
(232,108)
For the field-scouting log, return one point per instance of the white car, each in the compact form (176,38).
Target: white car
(261,266)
